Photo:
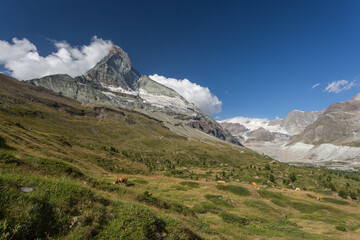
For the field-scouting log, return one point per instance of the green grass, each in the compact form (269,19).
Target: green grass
(190,184)
(70,156)
(255,203)
(218,200)
(238,190)
(335,201)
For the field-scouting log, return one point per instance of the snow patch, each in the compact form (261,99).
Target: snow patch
(121,90)
(255,123)
(162,101)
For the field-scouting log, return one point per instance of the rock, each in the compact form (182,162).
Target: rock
(26,189)
(296,121)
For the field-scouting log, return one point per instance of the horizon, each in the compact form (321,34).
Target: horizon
(255,59)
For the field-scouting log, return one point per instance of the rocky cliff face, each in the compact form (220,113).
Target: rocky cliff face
(114,82)
(236,129)
(260,134)
(339,125)
(296,121)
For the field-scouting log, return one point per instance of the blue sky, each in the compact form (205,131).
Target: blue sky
(260,58)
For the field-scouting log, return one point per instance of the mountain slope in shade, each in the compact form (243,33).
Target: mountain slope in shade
(114,82)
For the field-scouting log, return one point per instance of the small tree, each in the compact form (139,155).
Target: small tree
(352,195)
(267,167)
(272,178)
(342,194)
(292,177)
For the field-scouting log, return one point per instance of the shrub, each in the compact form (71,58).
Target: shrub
(234,219)
(342,194)
(217,200)
(3,143)
(257,204)
(272,178)
(267,167)
(148,198)
(292,177)
(206,207)
(310,196)
(340,228)
(352,195)
(238,190)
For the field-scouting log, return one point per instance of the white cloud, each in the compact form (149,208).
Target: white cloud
(316,85)
(21,58)
(339,86)
(194,93)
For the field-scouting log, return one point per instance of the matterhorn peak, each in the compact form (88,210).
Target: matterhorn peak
(114,70)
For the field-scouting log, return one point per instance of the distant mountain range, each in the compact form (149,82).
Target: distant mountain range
(328,137)
(114,82)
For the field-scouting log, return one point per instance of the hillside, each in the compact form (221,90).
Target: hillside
(59,159)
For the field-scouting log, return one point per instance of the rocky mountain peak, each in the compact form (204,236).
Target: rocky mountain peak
(114,70)
(114,82)
(296,121)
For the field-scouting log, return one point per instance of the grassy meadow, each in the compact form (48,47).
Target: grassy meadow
(59,159)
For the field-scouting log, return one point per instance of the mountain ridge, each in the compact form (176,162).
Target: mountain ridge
(113,81)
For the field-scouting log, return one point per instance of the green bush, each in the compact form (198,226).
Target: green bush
(340,228)
(217,200)
(310,196)
(3,143)
(272,178)
(292,177)
(267,166)
(234,219)
(148,198)
(206,207)
(255,203)
(342,194)
(335,201)
(353,195)
(190,184)
(238,190)
(271,195)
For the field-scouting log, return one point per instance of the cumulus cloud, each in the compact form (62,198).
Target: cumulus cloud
(22,59)
(339,86)
(316,85)
(194,93)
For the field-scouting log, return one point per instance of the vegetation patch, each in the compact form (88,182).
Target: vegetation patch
(3,143)
(238,190)
(136,223)
(148,198)
(206,207)
(190,184)
(141,181)
(340,228)
(255,203)
(335,201)
(234,219)
(218,199)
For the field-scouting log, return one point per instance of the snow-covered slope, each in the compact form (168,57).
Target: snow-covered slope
(256,123)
